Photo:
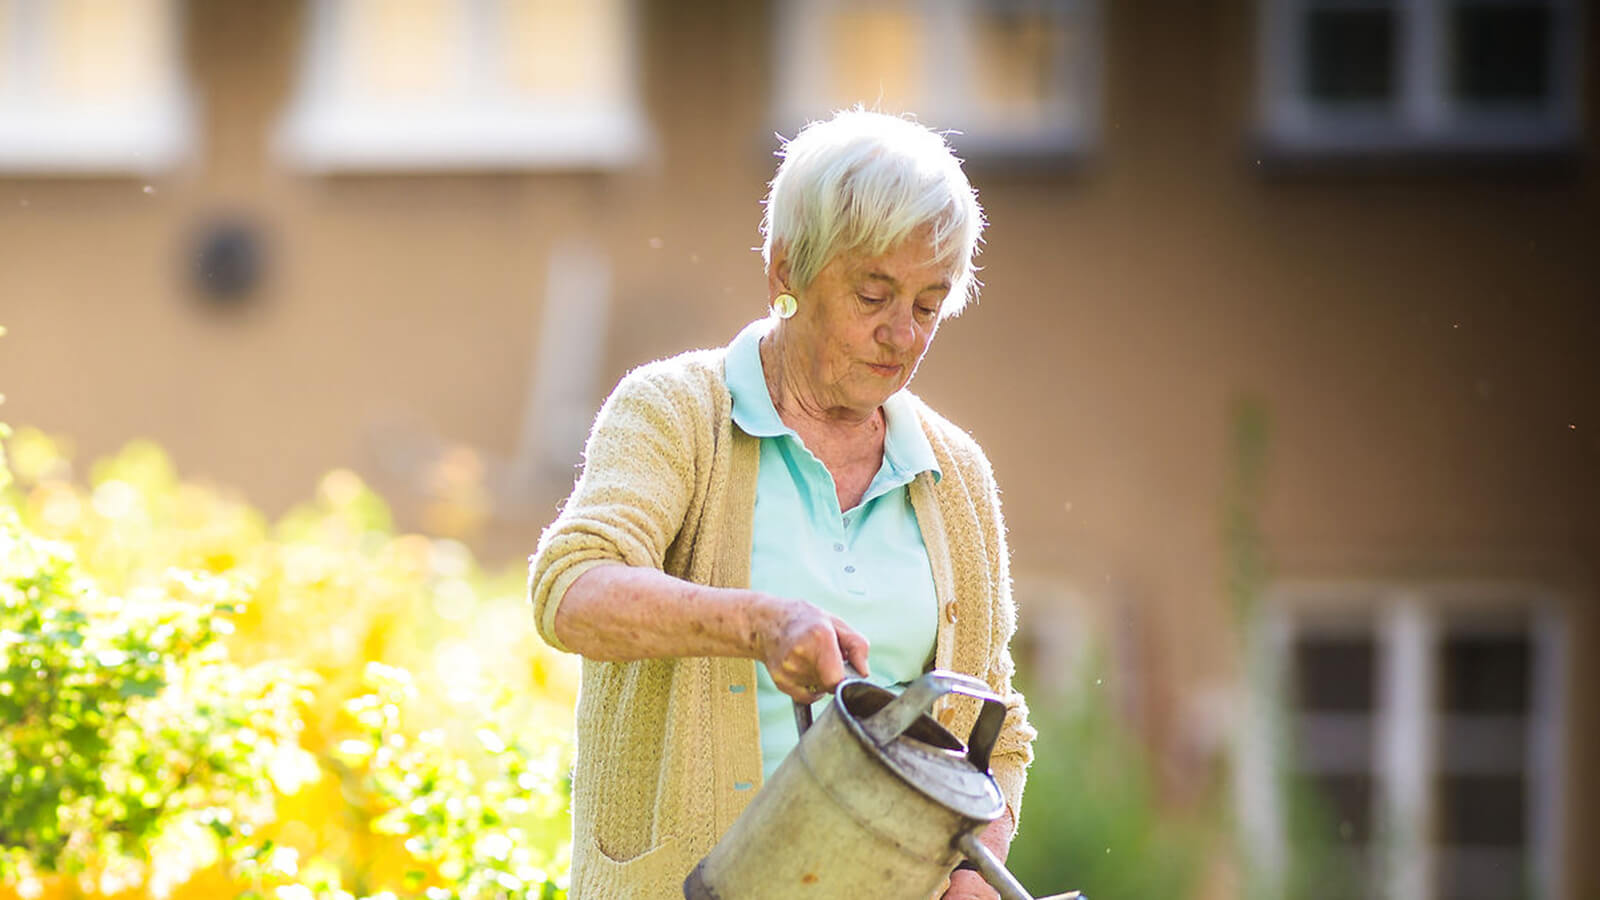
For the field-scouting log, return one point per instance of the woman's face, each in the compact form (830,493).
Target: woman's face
(865,322)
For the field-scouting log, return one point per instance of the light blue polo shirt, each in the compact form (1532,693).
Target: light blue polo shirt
(867,565)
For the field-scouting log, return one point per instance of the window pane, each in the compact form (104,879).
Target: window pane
(1501,52)
(1482,810)
(1330,827)
(1478,873)
(109,50)
(1026,60)
(1350,55)
(1334,673)
(876,57)
(1333,742)
(1332,873)
(1331,804)
(1471,744)
(1486,673)
(565,48)
(1339,809)
(401,49)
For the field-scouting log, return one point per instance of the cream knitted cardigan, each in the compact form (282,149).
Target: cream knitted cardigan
(668,749)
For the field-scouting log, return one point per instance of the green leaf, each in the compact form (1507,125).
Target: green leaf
(144,687)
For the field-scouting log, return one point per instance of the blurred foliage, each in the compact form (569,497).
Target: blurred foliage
(1092,820)
(195,702)
(1320,858)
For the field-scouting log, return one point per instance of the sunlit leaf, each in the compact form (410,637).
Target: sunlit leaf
(180,682)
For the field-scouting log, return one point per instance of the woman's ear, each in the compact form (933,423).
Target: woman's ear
(778,272)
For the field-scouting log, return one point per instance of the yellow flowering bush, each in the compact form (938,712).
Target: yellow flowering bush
(195,701)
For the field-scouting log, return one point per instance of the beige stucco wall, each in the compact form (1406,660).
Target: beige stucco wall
(1424,344)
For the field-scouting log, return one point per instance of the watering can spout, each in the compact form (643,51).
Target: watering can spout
(1001,879)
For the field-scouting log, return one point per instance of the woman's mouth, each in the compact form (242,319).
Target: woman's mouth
(887,371)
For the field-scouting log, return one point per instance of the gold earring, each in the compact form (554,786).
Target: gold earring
(785,305)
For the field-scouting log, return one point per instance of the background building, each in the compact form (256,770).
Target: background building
(1285,358)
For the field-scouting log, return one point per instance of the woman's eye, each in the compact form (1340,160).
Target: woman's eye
(868,298)
(927,311)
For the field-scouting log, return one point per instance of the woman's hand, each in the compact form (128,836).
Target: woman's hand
(968,885)
(805,648)
(965,884)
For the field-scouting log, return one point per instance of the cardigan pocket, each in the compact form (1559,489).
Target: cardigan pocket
(635,840)
(657,872)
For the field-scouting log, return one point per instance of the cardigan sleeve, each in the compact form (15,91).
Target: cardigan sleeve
(630,500)
(1013,749)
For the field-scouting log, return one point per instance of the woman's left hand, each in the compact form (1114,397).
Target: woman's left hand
(966,884)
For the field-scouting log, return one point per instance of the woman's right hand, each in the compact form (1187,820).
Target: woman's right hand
(620,613)
(805,648)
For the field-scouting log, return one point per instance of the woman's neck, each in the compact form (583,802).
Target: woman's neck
(802,404)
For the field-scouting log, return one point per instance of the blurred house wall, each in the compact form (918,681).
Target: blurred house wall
(1420,336)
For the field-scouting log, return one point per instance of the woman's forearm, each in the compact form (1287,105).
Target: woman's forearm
(618,613)
(622,613)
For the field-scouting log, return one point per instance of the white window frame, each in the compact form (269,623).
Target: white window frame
(1406,620)
(43,133)
(803,50)
(479,125)
(1426,117)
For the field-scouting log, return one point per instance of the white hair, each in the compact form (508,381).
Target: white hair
(864,181)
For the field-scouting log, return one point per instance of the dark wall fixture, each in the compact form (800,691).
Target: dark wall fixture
(227,260)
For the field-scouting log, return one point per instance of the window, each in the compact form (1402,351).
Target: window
(1403,75)
(1013,77)
(1420,730)
(424,85)
(92,87)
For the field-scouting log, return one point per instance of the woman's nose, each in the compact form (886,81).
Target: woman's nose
(900,332)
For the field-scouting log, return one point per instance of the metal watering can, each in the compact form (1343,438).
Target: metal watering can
(877,800)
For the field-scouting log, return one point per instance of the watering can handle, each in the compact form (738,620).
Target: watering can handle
(888,723)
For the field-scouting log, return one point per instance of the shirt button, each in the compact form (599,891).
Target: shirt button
(950,612)
(838,548)
(850,569)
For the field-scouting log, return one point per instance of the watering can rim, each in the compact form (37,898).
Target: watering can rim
(984,787)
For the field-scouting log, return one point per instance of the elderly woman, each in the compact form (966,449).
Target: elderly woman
(752,517)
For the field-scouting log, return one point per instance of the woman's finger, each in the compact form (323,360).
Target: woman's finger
(829,662)
(853,645)
(801,691)
(798,676)
(797,692)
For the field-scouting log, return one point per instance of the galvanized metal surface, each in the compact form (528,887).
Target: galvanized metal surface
(919,750)
(871,803)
